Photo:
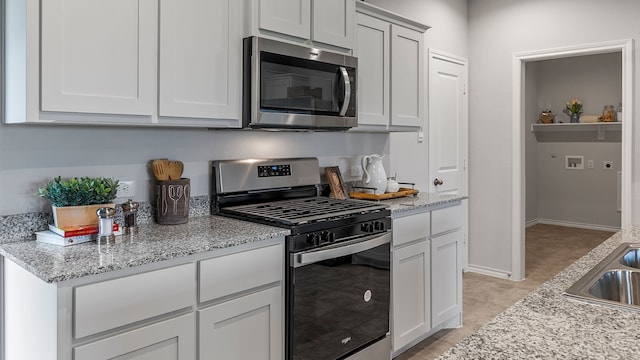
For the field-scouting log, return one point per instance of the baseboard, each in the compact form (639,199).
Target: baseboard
(577,225)
(530,223)
(489,271)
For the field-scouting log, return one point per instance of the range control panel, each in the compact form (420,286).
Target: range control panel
(274,170)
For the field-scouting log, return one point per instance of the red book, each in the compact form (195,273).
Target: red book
(78,230)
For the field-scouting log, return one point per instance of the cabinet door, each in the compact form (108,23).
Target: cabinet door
(373,51)
(332,22)
(289,17)
(172,339)
(249,327)
(98,56)
(446,277)
(407,89)
(200,58)
(410,282)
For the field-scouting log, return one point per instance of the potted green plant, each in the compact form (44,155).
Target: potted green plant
(74,201)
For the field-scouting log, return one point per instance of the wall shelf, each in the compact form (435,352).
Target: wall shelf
(578,131)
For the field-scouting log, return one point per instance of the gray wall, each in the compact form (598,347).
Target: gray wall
(31,155)
(584,197)
(498,29)
(577,197)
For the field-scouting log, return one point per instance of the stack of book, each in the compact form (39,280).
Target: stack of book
(70,235)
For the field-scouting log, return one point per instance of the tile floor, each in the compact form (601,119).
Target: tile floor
(549,249)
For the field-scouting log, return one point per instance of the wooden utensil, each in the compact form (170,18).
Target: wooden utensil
(175,169)
(160,168)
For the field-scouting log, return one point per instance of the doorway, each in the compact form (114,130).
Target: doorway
(520,61)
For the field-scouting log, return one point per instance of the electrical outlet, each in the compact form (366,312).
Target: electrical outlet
(356,171)
(589,164)
(126,189)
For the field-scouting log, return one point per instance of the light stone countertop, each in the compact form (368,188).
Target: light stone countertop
(548,325)
(420,201)
(153,243)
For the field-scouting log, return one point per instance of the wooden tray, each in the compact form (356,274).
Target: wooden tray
(400,193)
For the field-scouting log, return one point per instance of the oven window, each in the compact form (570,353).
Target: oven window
(340,305)
(302,86)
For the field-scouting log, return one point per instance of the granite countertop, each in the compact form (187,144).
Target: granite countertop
(421,200)
(548,325)
(153,243)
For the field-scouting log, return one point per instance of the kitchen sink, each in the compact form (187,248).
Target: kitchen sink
(631,258)
(615,281)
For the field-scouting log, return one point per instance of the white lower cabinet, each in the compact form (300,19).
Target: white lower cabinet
(150,313)
(173,339)
(410,272)
(446,267)
(411,310)
(426,273)
(249,327)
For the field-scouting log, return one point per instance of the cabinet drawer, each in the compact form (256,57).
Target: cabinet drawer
(230,274)
(410,228)
(113,303)
(169,339)
(446,219)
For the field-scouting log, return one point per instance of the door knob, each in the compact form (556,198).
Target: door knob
(437,182)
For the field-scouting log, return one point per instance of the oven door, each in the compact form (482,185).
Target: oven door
(338,298)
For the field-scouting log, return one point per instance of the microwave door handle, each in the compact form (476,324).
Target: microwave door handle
(347,90)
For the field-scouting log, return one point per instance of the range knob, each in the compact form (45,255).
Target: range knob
(313,239)
(378,225)
(327,236)
(366,227)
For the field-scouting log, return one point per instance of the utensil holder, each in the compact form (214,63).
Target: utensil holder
(172,201)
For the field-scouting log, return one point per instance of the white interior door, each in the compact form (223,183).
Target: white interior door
(447,124)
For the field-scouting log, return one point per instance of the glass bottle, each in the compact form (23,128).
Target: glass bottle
(609,113)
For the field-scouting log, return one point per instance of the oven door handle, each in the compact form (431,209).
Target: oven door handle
(343,249)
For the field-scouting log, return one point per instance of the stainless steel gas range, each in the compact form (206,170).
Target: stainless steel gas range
(337,290)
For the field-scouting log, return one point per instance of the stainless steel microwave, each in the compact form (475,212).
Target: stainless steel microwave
(287,86)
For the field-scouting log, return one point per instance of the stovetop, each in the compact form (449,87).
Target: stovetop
(305,210)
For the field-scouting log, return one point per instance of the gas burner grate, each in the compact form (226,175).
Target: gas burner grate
(300,211)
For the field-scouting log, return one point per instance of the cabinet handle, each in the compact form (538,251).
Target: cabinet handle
(437,182)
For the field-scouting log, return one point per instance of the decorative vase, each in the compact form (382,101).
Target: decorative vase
(77,215)
(575,118)
(172,201)
(374,174)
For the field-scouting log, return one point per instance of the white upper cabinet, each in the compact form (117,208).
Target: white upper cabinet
(124,62)
(333,22)
(290,17)
(390,51)
(327,23)
(373,49)
(98,56)
(200,67)
(407,85)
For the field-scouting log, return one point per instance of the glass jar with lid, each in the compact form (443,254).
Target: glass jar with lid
(609,114)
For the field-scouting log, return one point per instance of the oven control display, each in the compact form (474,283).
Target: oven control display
(274,170)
